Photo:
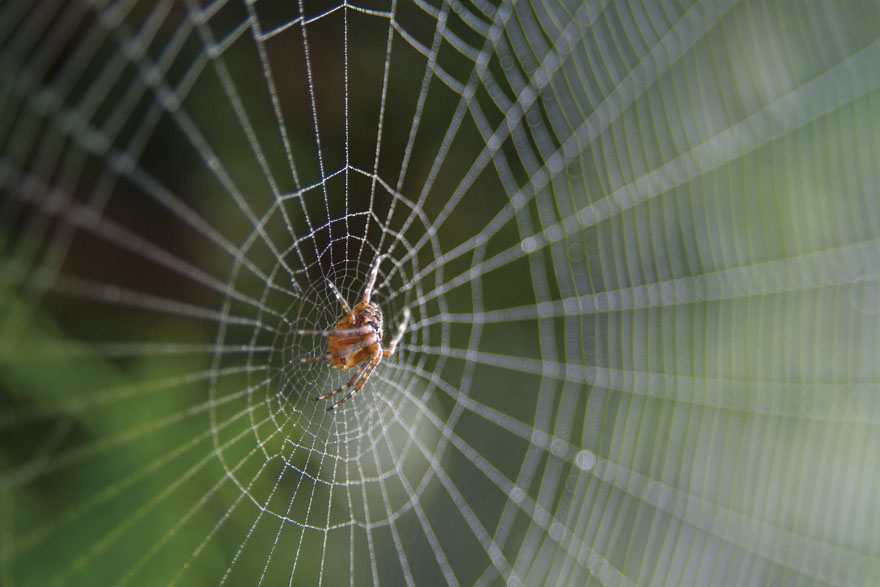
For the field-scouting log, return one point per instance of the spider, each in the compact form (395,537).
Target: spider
(355,340)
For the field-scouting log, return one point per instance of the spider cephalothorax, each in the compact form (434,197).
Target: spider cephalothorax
(356,340)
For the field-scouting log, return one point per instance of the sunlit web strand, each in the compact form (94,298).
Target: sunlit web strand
(93,141)
(63,83)
(574,145)
(120,529)
(791,274)
(259,516)
(32,539)
(102,397)
(532,508)
(382,105)
(241,114)
(28,473)
(526,95)
(170,101)
(79,217)
(660,180)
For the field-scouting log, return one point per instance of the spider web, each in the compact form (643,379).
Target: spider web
(639,242)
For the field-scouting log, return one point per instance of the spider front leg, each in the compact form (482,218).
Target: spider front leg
(342,301)
(401,328)
(341,332)
(371,280)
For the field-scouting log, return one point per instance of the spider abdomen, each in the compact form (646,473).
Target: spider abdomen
(369,314)
(349,350)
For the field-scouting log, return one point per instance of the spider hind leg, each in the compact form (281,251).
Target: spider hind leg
(344,386)
(370,367)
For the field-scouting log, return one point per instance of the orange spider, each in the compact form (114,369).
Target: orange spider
(356,340)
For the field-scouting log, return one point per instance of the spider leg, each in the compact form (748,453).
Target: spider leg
(341,300)
(345,386)
(343,332)
(371,281)
(341,352)
(374,362)
(401,328)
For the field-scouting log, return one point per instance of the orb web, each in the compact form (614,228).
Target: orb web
(638,242)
